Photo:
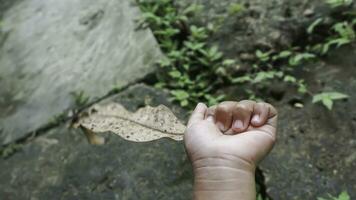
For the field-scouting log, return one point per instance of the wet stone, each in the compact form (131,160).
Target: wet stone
(63,165)
(270,24)
(315,153)
(52,49)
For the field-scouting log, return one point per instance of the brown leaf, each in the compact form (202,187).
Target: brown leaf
(146,124)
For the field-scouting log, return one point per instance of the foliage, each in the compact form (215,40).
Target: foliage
(343,196)
(235,8)
(339,33)
(327,98)
(338,3)
(193,69)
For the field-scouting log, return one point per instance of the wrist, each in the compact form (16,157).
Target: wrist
(223,180)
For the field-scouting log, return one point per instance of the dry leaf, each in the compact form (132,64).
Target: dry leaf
(146,124)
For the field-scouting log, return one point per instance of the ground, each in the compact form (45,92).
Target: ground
(314,155)
(63,165)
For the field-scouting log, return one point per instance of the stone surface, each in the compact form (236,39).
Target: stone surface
(62,165)
(315,154)
(49,49)
(263,24)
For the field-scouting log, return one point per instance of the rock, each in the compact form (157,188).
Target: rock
(50,49)
(315,152)
(62,165)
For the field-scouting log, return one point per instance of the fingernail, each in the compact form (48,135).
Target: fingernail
(238,124)
(256,118)
(220,126)
(210,118)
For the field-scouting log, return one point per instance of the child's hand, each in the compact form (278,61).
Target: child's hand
(225,143)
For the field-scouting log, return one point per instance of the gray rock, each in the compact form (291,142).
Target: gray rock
(50,49)
(62,165)
(315,154)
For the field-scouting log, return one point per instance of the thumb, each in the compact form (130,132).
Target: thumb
(198,114)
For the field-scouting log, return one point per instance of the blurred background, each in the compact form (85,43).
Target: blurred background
(59,57)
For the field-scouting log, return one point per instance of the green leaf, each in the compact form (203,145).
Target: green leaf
(338,3)
(241,79)
(194,45)
(311,28)
(327,98)
(290,79)
(263,56)
(213,100)
(235,8)
(328,103)
(159,85)
(317,98)
(228,62)
(338,42)
(184,103)
(175,74)
(344,196)
(164,62)
(262,76)
(302,88)
(169,32)
(193,9)
(282,54)
(180,94)
(299,58)
(198,33)
(337,95)
(345,30)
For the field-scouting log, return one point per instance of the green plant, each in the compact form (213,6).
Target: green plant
(192,68)
(327,98)
(339,33)
(80,98)
(344,35)
(275,65)
(58,119)
(338,3)
(235,8)
(9,150)
(313,25)
(342,196)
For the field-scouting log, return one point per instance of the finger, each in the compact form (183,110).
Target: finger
(210,114)
(242,115)
(223,115)
(272,115)
(260,114)
(268,116)
(198,114)
(264,113)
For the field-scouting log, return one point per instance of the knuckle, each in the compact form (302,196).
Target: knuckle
(222,108)
(272,108)
(244,108)
(247,102)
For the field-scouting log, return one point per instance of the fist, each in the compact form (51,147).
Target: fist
(234,135)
